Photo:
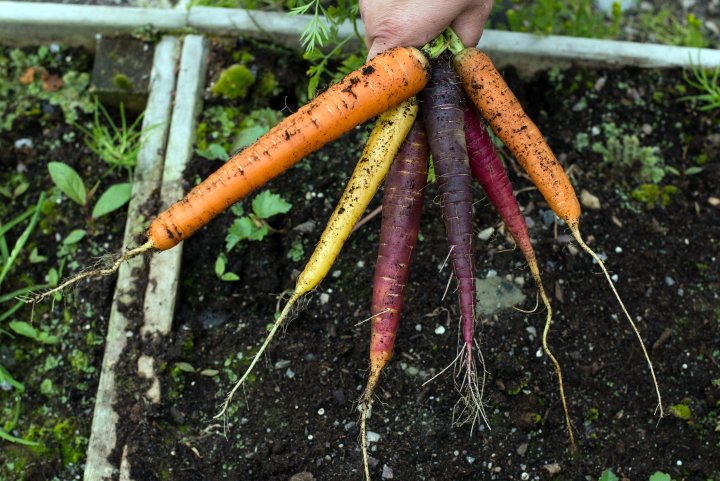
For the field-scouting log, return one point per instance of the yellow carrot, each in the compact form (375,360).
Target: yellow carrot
(389,133)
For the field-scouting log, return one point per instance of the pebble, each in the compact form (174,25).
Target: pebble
(321,411)
(647,129)
(618,250)
(491,273)
(714,201)
(23,143)
(324,298)
(669,281)
(548,217)
(304,476)
(290,373)
(373,437)
(412,371)
(485,234)
(282,364)
(553,468)
(589,200)
(337,273)
(306,227)
(418,327)
(522,449)
(470,459)
(387,472)
(532,331)
(525,476)
(519,280)
(600,83)
(440,330)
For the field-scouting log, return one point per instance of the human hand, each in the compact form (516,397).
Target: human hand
(404,23)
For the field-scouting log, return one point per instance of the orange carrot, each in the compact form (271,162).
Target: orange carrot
(380,84)
(497,103)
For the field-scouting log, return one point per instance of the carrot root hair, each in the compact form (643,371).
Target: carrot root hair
(535,271)
(110,267)
(284,315)
(471,405)
(575,230)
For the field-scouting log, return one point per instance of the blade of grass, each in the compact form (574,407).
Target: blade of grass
(22,240)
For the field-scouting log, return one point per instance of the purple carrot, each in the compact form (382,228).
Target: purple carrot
(443,113)
(488,170)
(402,208)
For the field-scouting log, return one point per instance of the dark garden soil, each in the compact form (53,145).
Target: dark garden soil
(60,378)
(296,418)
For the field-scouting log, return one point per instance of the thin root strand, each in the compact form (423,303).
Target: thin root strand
(105,271)
(576,234)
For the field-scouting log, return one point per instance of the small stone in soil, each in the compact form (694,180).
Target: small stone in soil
(304,476)
(373,437)
(485,234)
(440,330)
(589,200)
(387,472)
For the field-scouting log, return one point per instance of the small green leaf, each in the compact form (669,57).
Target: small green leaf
(35,257)
(681,411)
(237,209)
(209,372)
(68,180)
(259,233)
(660,476)
(693,170)
(74,237)
(266,204)
(47,388)
(115,197)
(220,265)
(608,475)
(6,378)
(20,189)
(213,152)
(46,338)
(240,229)
(184,366)
(24,329)
(230,277)
(248,136)
(53,277)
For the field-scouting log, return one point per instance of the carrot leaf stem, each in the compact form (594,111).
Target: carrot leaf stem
(435,47)
(453,42)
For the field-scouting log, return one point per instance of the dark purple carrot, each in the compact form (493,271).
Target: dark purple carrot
(488,170)
(443,105)
(401,210)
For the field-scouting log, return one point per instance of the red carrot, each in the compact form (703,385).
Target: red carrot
(443,113)
(402,207)
(488,170)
